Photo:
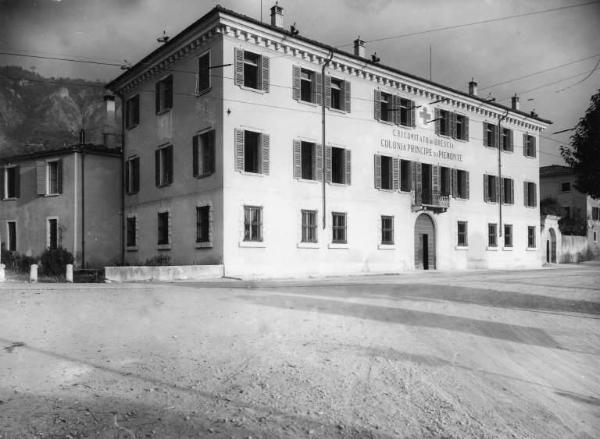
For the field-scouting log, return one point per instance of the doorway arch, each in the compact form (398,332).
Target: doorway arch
(551,247)
(424,243)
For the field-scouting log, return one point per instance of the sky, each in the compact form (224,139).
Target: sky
(558,51)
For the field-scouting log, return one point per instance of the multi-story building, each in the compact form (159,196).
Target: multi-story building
(68,197)
(558,183)
(226,164)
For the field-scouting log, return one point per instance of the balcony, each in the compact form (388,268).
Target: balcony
(430,200)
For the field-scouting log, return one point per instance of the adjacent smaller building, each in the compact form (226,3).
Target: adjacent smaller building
(68,197)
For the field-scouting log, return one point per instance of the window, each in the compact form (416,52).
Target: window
(306,85)
(387,113)
(405,112)
(461,130)
(52,233)
(565,187)
(528,145)
(251,70)
(164,166)
(567,211)
(462,237)
(492,235)
(507,139)
(387,230)
(163,228)
(595,237)
(309,226)
(338,228)
(55,177)
(308,160)
(336,94)
(451,124)
(203,154)
(203,224)
(530,194)
(132,112)
(596,213)
(508,238)
(131,231)
(489,134)
(444,123)
(392,108)
(531,237)
(405,176)
(11,235)
(251,152)
(460,183)
(445,179)
(203,82)
(164,94)
(132,175)
(490,191)
(340,165)
(253,223)
(10,182)
(508,191)
(384,172)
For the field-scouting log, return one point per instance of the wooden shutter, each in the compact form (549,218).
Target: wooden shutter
(418,183)
(238,150)
(534,203)
(436,116)
(169,92)
(2,173)
(136,175)
(377,105)
(319,162)
(297,151)
(511,192)
(452,121)
(465,128)
(395,109)
(157,97)
(533,147)
(238,55)
(328,164)
(59,176)
(396,174)
(195,156)
(454,183)
(157,167)
(501,194)
(347,96)
(525,194)
(265,78)
(128,187)
(435,179)
(486,188)
(17,181)
(348,167)
(296,82)
(265,153)
(211,146)
(41,169)
(317,92)
(466,174)
(377,171)
(170,163)
(412,114)
(495,142)
(328,91)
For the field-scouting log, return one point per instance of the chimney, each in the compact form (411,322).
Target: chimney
(277,16)
(515,102)
(473,87)
(359,47)
(110,133)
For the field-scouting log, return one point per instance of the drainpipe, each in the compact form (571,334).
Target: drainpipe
(500,174)
(83,207)
(325,64)
(122,234)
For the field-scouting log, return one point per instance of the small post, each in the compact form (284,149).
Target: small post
(33,273)
(2,278)
(69,273)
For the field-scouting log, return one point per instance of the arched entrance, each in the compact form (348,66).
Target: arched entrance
(551,247)
(424,243)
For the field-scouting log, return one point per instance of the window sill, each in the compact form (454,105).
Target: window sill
(252,174)
(511,151)
(334,245)
(203,92)
(386,246)
(387,122)
(160,186)
(507,249)
(163,111)
(531,249)
(208,244)
(304,180)
(255,90)
(491,249)
(129,128)
(529,156)
(312,104)
(338,110)
(10,199)
(164,247)
(386,190)
(51,195)
(331,183)
(132,248)
(200,177)
(313,245)
(252,244)
(461,247)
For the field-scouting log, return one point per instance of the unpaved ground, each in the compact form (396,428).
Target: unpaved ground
(470,355)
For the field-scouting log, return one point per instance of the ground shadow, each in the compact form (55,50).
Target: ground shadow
(501,331)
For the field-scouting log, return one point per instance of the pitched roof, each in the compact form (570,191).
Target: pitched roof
(555,170)
(171,43)
(64,150)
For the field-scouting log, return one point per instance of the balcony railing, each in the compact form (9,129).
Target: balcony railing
(430,200)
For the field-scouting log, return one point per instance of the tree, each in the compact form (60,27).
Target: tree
(583,155)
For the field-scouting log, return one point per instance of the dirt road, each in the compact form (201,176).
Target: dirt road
(469,355)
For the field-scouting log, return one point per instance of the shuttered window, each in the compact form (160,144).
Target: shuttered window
(131,231)
(508,238)
(460,184)
(529,194)
(132,175)
(251,70)
(164,94)
(54,173)
(529,149)
(462,237)
(405,112)
(445,181)
(530,236)
(508,191)
(489,135)
(203,154)
(507,139)
(203,75)
(338,165)
(461,130)
(387,230)
(445,127)
(163,228)
(203,224)
(308,160)
(52,238)
(338,228)
(253,223)
(132,112)
(309,226)
(10,182)
(307,87)
(490,189)
(385,104)
(11,230)
(405,176)
(492,235)
(164,166)
(387,172)
(252,152)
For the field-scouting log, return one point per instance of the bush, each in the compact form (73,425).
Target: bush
(158,260)
(55,260)
(17,262)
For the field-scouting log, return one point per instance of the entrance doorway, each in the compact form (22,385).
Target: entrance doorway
(551,247)
(424,243)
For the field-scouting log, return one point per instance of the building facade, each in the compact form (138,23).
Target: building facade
(225,160)
(69,197)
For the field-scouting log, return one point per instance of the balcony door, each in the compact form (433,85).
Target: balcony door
(424,243)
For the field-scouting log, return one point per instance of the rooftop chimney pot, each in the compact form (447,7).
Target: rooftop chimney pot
(515,102)
(473,87)
(277,15)
(359,48)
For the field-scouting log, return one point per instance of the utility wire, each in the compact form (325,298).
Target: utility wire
(581,80)
(62,59)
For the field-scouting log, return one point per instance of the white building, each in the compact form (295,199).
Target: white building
(224,159)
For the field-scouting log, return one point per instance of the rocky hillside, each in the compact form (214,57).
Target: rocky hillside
(39,113)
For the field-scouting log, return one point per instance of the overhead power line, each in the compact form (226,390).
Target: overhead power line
(473,23)
(62,59)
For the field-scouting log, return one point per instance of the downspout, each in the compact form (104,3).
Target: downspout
(122,177)
(324,148)
(499,186)
(83,208)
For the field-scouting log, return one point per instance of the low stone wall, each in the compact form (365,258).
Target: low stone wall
(574,249)
(163,273)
